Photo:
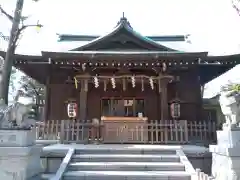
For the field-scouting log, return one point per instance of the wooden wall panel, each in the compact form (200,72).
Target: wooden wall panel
(189,92)
(59,95)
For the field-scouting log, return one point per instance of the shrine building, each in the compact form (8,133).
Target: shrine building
(124,77)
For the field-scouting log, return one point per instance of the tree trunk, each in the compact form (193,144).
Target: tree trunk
(8,62)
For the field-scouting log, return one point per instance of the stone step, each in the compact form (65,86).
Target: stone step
(128,175)
(126,166)
(47,176)
(119,175)
(125,151)
(124,158)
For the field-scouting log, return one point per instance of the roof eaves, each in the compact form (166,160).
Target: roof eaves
(23,57)
(123,53)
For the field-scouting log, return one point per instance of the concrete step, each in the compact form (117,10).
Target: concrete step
(126,175)
(125,151)
(126,166)
(124,158)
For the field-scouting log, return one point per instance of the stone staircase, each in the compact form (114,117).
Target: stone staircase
(125,163)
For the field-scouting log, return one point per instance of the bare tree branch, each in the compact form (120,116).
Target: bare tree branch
(10,17)
(20,31)
(236,7)
(17,27)
(5,38)
(30,25)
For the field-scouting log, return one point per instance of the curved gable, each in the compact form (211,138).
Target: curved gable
(123,37)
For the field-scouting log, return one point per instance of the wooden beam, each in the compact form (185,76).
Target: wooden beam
(124,76)
(164,99)
(83,102)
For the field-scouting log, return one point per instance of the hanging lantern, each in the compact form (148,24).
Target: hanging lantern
(96,82)
(133,81)
(72,109)
(175,110)
(113,83)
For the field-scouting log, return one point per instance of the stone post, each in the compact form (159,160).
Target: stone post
(226,154)
(19,155)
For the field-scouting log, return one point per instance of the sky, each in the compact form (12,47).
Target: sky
(213,24)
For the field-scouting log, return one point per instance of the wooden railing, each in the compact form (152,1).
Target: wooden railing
(152,132)
(201,131)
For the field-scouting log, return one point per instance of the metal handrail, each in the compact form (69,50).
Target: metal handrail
(63,165)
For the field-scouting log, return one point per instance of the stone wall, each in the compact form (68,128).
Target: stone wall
(203,162)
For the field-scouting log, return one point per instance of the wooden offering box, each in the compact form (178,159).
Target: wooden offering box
(125,129)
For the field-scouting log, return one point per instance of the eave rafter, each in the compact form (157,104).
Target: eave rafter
(122,62)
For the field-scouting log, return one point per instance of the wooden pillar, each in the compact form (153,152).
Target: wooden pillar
(164,99)
(47,104)
(83,102)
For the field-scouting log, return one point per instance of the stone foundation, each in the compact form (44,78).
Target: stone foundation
(19,156)
(226,155)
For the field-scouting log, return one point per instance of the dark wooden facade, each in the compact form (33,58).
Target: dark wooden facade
(188,89)
(122,52)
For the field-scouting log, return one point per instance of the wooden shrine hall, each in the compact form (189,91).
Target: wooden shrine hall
(126,81)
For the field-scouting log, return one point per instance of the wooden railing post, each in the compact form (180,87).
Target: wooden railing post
(37,131)
(62,131)
(186,130)
(202,176)
(198,171)
(86,130)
